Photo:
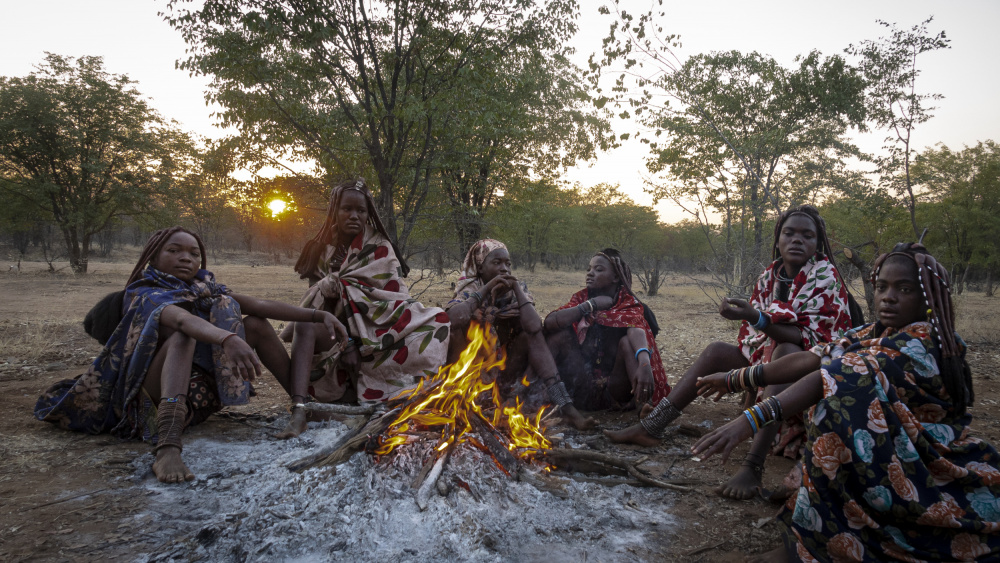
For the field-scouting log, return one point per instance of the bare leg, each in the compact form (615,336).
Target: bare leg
(749,477)
(168,377)
(262,338)
(716,357)
(305,342)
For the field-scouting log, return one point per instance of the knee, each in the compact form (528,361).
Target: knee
(302,329)
(784,349)
(177,340)
(255,326)
(716,349)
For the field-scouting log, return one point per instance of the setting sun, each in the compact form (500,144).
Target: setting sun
(276,206)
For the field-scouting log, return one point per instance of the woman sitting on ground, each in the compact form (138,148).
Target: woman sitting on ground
(489,293)
(359,278)
(181,351)
(799,301)
(890,469)
(603,340)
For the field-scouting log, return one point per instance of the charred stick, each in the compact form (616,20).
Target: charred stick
(429,485)
(340,409)
(556,455)
(489,437)
(345,446)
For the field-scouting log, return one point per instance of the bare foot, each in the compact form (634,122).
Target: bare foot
(296,425)
(776,555)
(743,485)
(645,410)
(169,467)
(634,434)
(578,421)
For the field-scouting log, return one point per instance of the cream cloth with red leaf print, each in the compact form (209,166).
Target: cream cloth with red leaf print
(400,340)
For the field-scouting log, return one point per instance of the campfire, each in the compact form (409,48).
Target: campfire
(462,405)
(458,410)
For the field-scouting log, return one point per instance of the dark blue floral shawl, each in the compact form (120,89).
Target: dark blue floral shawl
(105,398)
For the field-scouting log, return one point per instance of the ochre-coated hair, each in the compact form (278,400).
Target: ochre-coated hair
(935,286)
(622,270)
(156,243)
(308,262)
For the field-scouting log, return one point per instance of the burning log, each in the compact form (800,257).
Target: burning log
(346,446)
(564,456)
(490,438)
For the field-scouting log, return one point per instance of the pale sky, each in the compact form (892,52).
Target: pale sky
(135,41)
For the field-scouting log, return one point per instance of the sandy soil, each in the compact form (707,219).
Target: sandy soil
(69,496)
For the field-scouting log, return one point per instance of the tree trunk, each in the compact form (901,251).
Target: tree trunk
(989,282)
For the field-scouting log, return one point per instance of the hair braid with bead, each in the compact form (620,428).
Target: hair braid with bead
(935,286)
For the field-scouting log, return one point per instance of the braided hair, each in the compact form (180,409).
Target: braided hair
(935,286)
(308,261)
(823,242)
(103,318)
(822,247)
(155,245)
(624,274)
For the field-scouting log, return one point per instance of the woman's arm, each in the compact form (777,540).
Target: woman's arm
(798,397)
(241,356)
(786,369)
(530,321)
(740,310)
(269,309)
(566,317)
(461,313)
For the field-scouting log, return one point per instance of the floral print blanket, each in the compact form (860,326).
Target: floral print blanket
(400,340)
(108,398)
(890,471)
(816,304)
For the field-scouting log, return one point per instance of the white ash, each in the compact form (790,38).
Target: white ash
(246,506)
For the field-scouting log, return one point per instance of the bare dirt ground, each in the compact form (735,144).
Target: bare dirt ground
(67,496)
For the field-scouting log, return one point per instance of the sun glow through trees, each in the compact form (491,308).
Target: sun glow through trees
(277,207)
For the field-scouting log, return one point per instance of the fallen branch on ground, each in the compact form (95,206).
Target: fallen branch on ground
(564,455)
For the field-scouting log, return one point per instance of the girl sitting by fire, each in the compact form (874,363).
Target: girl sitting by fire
(799,301)
(177,350)
(603,340)
(358,276)
(488,292)
(891,470)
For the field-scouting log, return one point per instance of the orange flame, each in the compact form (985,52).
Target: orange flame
(451,399)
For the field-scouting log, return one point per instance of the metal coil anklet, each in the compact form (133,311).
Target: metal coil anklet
(659,418)
(559,395)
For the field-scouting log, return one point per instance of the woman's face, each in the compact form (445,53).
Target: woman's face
(601,275)
(180,257)
(352,213)
(797,242)
(496,263)
(898,299)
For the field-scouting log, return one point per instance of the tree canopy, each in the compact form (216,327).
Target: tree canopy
(80,147)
